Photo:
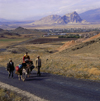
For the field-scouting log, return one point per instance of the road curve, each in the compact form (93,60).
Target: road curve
(55,88)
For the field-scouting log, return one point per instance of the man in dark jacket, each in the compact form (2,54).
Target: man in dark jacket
(10,68)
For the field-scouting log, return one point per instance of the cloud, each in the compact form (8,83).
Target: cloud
(79,6)
(21,9)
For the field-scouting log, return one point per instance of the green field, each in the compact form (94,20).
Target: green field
(8,40)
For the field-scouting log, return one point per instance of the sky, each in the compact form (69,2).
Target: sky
(35,9)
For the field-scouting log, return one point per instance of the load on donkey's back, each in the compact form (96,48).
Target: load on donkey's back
(23,70)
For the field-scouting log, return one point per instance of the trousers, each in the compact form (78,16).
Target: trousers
(10,73)
(39,70)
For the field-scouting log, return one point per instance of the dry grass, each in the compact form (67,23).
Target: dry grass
(8,42)
(82,63)
(7,95)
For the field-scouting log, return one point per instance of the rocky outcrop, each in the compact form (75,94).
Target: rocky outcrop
(49,20)
(70,18)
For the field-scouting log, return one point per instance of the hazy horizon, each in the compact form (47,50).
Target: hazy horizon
(35,9)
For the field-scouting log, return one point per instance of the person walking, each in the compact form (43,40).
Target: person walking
(38,65)
(10,68)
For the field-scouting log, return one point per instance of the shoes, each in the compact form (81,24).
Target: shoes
(18,78)
(11,77)
(38,74)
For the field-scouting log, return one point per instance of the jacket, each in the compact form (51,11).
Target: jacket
(38,62)
(26,57)
(10,66)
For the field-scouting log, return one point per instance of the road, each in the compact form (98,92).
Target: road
(55,88)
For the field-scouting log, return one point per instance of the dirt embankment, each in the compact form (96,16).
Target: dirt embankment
(79,43)
(66,45)
(92,38)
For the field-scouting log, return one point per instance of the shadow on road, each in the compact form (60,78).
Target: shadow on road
(34,76)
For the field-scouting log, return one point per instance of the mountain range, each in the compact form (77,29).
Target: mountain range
(91,16)
(70,18)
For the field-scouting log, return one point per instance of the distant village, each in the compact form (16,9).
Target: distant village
(66,33)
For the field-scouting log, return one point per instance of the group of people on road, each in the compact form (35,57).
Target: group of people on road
(26,59)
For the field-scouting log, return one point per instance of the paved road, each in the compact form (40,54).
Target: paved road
(55,88)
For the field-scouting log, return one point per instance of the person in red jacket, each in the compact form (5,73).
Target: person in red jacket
(26,57)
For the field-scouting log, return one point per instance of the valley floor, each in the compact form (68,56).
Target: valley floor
(83,63)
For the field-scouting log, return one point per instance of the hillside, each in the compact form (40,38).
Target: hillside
(21,30)
(1,30)
(67,45)
(75,45)
(74,59)
(92,38)
(48,20)
(91,15)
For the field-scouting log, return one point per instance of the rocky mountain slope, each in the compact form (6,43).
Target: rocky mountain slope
(51,19)
(56,19)
(70,18)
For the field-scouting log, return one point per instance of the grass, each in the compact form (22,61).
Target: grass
(7,95)
(72,64)
(8,42)
(57,64)
(77,64)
